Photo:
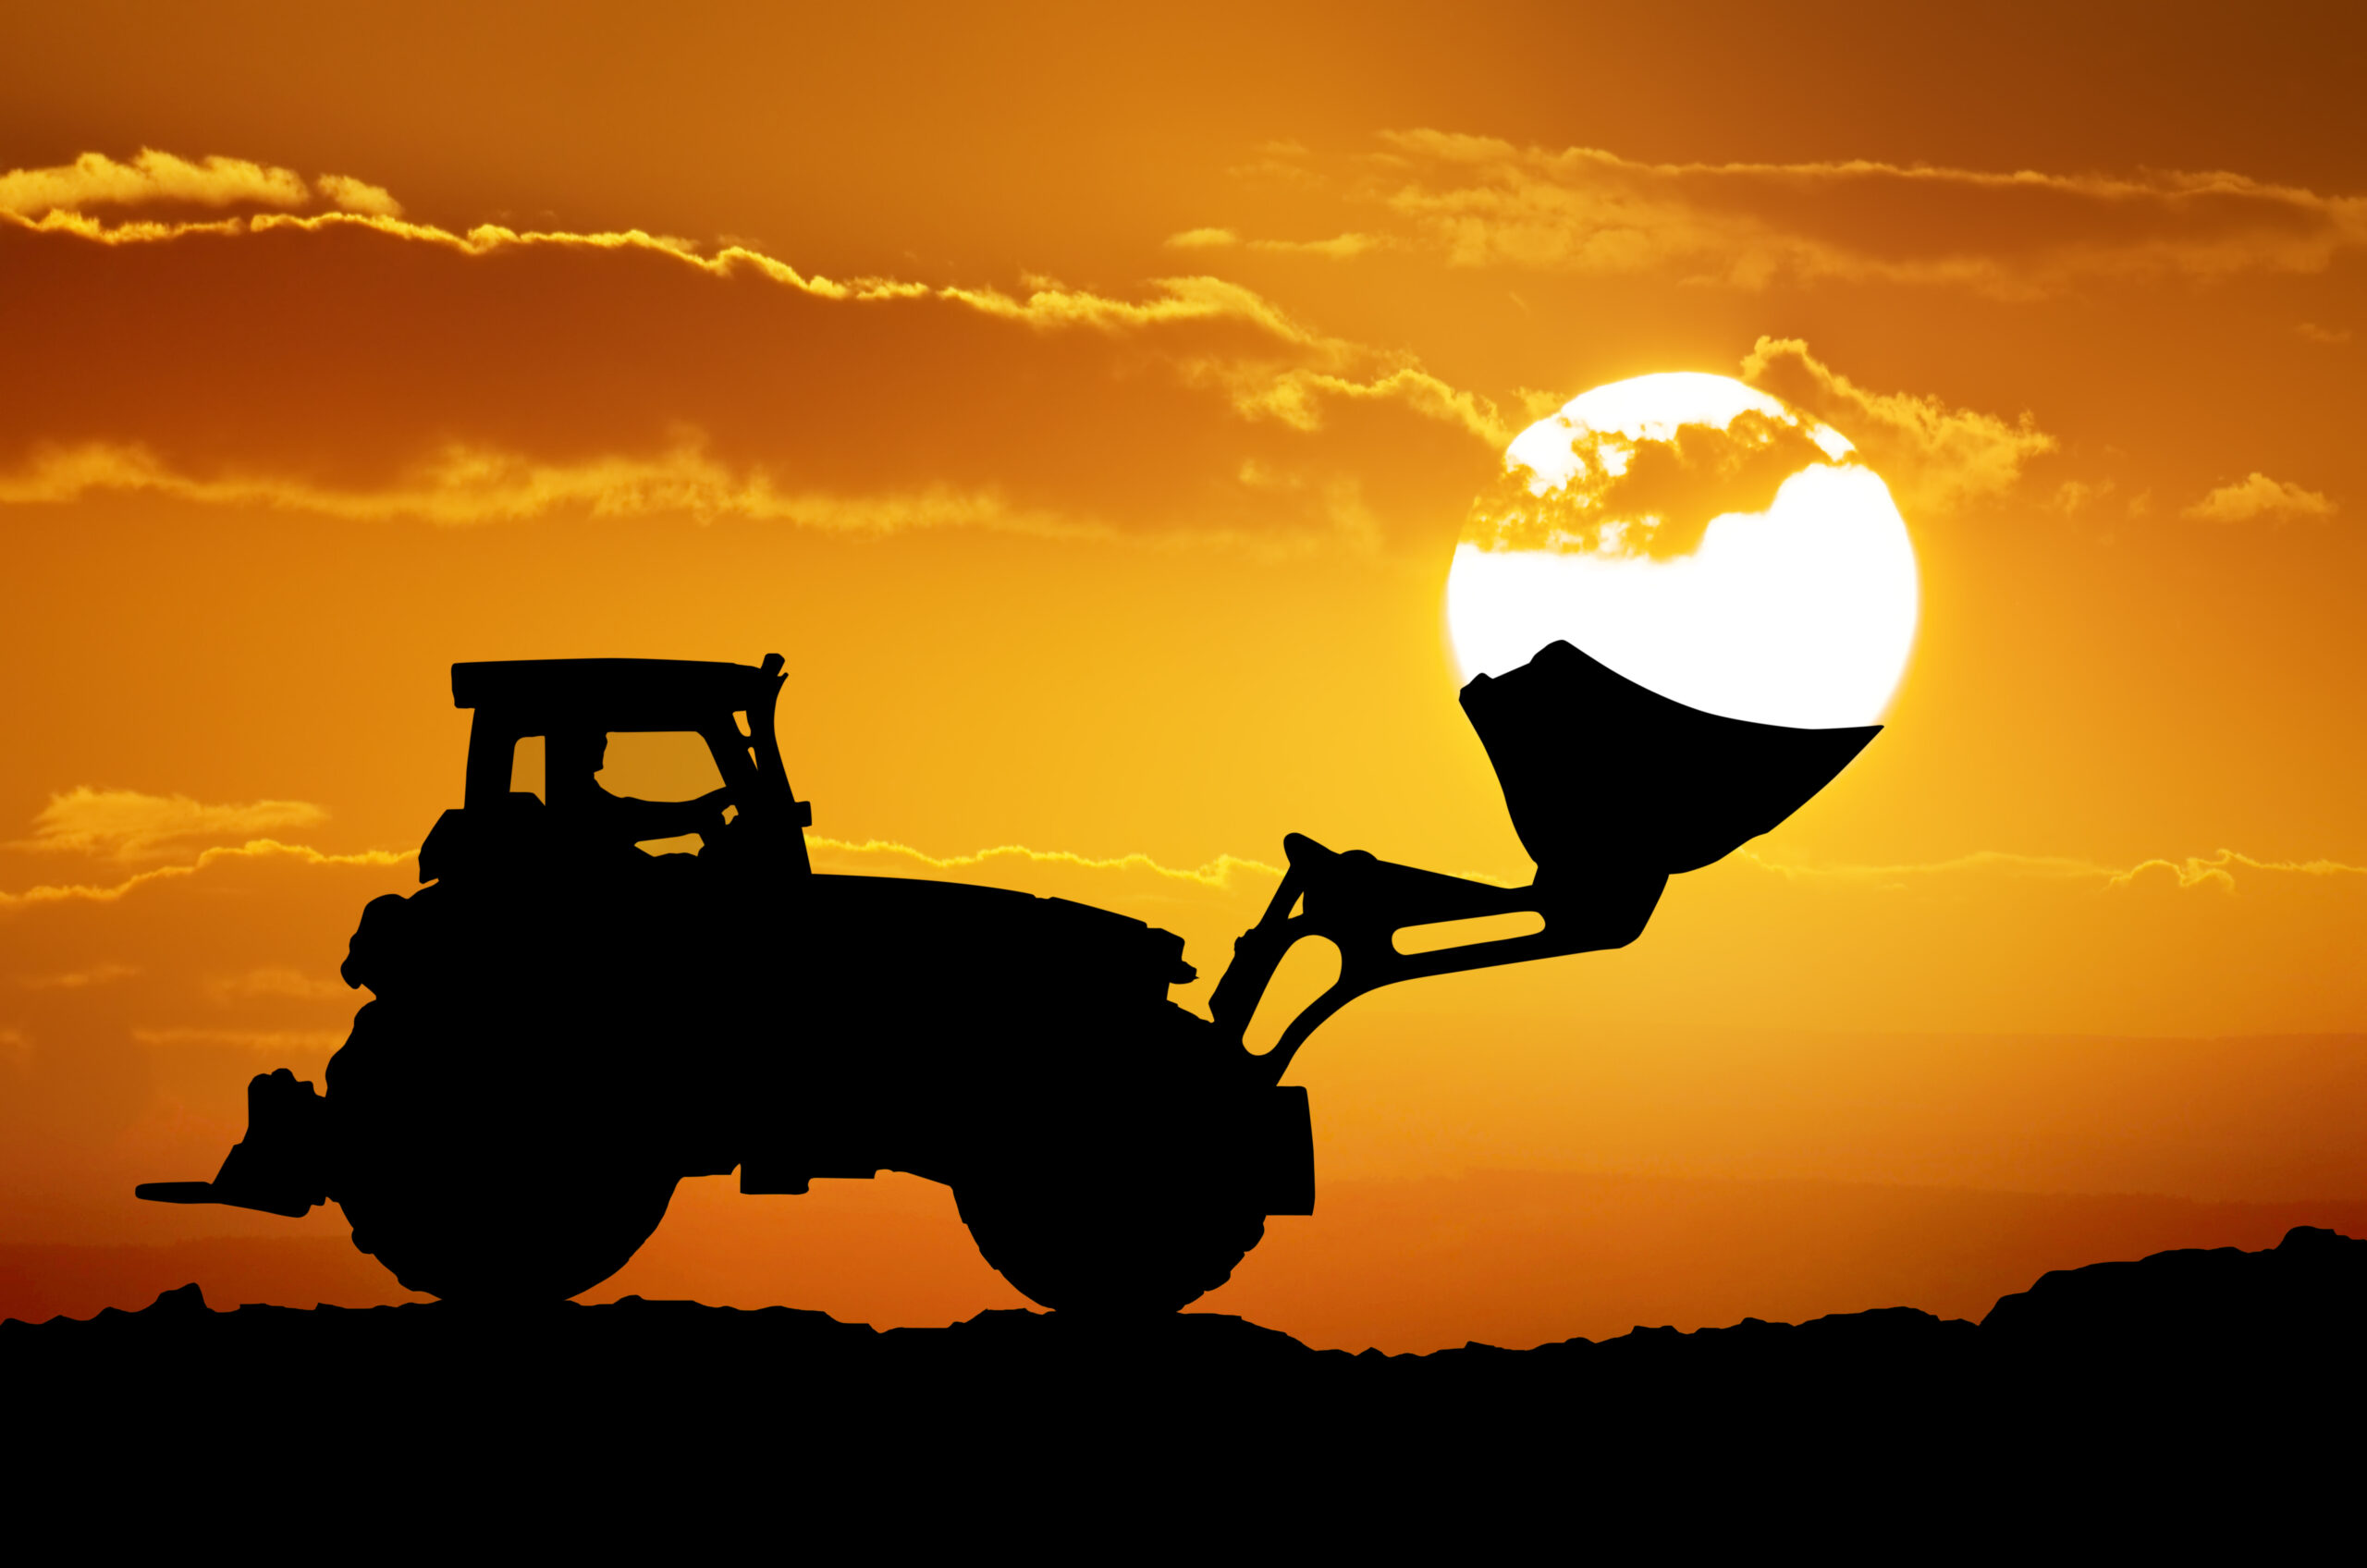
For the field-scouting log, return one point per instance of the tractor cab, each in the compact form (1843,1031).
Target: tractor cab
(568,711)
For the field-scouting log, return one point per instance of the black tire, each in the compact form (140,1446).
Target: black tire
(1107,1252)
(455,1240)
(477,1186)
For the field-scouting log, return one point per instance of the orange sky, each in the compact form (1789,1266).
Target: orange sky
(1086,403)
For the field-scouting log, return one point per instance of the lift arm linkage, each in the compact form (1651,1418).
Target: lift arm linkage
(1360,903)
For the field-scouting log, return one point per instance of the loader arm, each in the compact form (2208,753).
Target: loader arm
(1360,903)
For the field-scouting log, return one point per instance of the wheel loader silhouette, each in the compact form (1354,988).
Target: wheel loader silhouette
(564,1026)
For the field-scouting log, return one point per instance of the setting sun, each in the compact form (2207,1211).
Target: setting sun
(1699,537)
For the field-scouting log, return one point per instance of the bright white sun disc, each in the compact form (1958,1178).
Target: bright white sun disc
(1608,529)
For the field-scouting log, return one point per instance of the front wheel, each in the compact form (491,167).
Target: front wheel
(1110,1251)
(454,1239)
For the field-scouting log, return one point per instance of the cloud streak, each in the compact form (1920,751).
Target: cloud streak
(153,179)
(1339,248)
(1939,456)
(1229,872)
(1048,304)
(464,487)
(1483,203)
(124,824)
(2214,871)
(2258,497)
(258,849)
(1221,874)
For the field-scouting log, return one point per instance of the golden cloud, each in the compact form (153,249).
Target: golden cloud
(2216,871)
(1653,498)
(154,178)
(257,849)
(465,487)
(1235,874)
(1219,875)
(96,180)
(1339,248)
(1935,455)
(1047,303)
(1295,396)
(2257,497)
(125,824)
(358,196)
(1485,202)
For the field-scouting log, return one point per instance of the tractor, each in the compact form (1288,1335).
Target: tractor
(563,1025)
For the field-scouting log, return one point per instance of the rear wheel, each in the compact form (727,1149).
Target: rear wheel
(477,1184)
(1110,1251)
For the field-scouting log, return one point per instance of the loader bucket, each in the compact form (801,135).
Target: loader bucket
(1597,769)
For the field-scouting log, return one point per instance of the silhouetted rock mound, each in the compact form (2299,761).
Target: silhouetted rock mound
(2217,1361)
(2303,1298)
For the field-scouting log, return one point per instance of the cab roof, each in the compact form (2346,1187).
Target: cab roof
(613,691)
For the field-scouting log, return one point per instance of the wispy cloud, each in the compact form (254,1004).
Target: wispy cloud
(1296,396)
(1339,248)
(1170,300)
(2216,871)
(1937,456)
(153,179)
(125,824)
(359,195)
(258,849)
(1221,874)
(96,180)
(2219,870)
(464,487)
(1480,202)
(2258,497)
(1233,873)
